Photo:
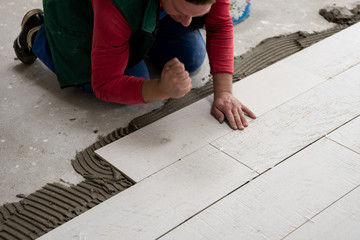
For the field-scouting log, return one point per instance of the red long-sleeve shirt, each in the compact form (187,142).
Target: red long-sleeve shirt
(110,50)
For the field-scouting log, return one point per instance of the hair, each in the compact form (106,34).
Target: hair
(201,2)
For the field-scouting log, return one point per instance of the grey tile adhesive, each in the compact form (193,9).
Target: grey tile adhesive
(56,203)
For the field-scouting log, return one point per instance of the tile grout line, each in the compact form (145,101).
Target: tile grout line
(221,150)
(180,159)
(197,213)
(311,219)
(324,136)
(316,140)
(342,125)
(341,72)
(342,145)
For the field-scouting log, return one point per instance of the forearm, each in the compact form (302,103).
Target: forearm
(222,83)
(119,89)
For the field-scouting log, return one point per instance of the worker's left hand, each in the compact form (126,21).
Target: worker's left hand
(227,106)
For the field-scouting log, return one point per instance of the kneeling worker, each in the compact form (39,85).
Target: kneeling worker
(100,46)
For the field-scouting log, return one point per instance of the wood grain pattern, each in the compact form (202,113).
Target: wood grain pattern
(280,200)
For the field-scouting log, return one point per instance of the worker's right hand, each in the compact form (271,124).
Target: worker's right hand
(175,81)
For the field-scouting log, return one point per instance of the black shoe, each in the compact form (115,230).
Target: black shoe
(30,26)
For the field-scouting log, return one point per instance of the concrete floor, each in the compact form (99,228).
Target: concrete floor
(42,127)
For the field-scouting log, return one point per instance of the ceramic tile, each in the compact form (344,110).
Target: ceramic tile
(274,86)
(332,55)
(163,142)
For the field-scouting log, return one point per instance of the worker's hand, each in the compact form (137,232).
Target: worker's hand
(227,106)
(175,81)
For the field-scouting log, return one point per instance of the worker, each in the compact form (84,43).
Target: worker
(100,46)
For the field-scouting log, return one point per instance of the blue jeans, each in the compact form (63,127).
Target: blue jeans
(175,40)
(172,40)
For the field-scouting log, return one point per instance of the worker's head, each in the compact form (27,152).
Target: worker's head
(183,11)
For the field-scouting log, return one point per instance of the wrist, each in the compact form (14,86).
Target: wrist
(222,84)
(151,91)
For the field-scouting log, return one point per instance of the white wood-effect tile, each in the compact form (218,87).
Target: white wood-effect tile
(348,135)
(292,126)
(161,202)
(332,55)
(280,200)
(339,221)
(163,142)
(273,86)
(158,145)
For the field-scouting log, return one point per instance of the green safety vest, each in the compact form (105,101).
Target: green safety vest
(69,29)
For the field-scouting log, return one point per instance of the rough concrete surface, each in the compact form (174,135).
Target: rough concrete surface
(42,127)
